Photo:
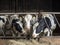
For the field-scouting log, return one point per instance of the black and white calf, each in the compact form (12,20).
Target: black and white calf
(3,20)
(27,23)
(16,24)
(45,24)
(29,20)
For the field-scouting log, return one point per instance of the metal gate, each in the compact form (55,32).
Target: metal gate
(36,13)
(21,13)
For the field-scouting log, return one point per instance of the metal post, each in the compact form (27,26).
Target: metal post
(56,20)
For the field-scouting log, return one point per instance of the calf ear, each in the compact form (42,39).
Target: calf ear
(6,15)
(23,16)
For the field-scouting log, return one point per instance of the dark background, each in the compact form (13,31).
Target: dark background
(29,5)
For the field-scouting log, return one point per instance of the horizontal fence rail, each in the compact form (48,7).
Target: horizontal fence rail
(33,13)
(50,12)
(22,13)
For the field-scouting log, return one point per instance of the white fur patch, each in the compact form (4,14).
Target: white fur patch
(46,30)
(28,18)
(35,34)
(20,23)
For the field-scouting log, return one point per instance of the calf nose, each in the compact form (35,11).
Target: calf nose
(34,36)
(27,30)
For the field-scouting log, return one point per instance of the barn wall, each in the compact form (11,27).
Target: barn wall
(25,5)
(29,5)
(55,5)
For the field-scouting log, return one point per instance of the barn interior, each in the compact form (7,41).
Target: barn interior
(31,6)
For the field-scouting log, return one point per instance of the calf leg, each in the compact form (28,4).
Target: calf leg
(51,32)
(47,31)
(48,34)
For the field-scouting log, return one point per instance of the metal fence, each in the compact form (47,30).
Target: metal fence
(36,13)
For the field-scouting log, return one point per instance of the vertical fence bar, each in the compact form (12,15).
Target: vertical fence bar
(47,25)
(56,20)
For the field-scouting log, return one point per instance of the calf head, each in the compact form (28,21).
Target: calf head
(27,24)
(16,23)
